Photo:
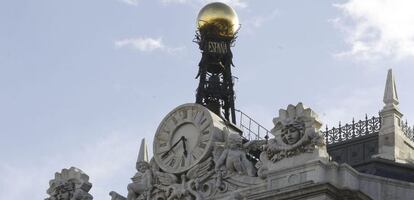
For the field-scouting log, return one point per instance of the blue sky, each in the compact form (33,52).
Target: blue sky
(82,82)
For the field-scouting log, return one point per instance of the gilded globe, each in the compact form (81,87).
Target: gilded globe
(220,17)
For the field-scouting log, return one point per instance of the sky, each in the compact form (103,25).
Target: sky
(82,82)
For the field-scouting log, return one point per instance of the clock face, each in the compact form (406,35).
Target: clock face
(183,138)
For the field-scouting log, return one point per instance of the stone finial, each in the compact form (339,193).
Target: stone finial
(390,93)
(143,152)
(142,182)
(392,143)
(70,184)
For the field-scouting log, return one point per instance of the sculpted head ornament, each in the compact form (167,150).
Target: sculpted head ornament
(296,131)
(293,122)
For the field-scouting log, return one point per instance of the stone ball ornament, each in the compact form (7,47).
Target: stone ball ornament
(220,17)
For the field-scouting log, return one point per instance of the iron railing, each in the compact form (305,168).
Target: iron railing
(352,131)
(369,126)
(252,130)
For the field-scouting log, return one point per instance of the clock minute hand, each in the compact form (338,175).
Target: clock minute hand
(172,147)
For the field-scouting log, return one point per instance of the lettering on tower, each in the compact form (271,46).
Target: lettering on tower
(217,47)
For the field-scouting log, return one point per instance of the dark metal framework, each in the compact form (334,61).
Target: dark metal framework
(356,151)
(215,90)
(251,128)
(353,130)
(354,143)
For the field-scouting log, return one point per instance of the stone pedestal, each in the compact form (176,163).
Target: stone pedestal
(317,154)
(392,143)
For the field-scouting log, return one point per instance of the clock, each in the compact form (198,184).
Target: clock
(185,137)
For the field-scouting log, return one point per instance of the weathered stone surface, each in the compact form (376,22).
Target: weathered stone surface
(292,165)
(116,196)
(297,140)
(70,184)
(326,180)
(392,143)
(224,168)
(142,182)
(233,158)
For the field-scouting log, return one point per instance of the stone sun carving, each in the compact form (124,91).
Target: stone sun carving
(296,131)
(70,184)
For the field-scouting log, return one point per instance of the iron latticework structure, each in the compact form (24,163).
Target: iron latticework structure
(215,90)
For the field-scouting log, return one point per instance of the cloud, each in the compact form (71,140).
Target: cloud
(376,29)
(141,44)
(260,20)
(131,2)
(146,44)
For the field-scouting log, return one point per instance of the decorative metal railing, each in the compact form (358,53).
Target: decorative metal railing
(407,130)
(252,130)
(351,131)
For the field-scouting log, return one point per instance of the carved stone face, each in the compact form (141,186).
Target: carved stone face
(142,166)
(234,141)
(291,135)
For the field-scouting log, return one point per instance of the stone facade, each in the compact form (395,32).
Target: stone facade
(294,164)
(200,156)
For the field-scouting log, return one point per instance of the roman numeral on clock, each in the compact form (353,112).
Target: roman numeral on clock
(183,114)
(172,162)
(182,163)
(202,145)
(206,132)
(164,144)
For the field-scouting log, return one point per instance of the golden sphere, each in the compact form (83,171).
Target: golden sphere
(219,16)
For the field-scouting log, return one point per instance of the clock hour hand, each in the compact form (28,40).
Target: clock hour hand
(184,146)
(174,145)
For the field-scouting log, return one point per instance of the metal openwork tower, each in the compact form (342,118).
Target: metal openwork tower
(215,36)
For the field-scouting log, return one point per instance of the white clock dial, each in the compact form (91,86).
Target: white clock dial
(183,138)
